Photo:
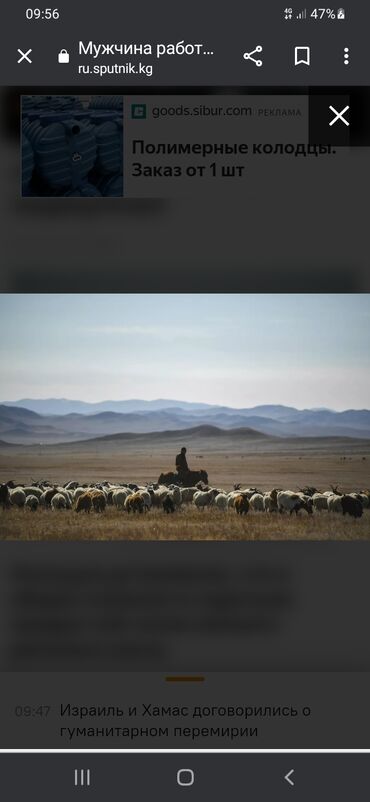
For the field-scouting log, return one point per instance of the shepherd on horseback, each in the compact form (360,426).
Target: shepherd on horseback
(183,476)
(181,463)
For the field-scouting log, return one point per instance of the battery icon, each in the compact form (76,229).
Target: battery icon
(341,14)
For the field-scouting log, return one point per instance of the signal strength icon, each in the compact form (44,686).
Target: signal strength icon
(302,14)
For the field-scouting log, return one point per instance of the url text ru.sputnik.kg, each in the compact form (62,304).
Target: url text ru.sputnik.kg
(116,69)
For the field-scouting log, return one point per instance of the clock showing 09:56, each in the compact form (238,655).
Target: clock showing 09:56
(42,13)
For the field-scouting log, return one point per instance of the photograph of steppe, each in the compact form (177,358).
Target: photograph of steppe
(259,428)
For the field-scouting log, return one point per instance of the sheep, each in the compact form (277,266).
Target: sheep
(17,497)
(119,497)
(146,499)
(84,502)
(231,498)
(110,496)
(304,504)
(99,500)
(71,485)
(256,502)
(135,503)
(270,501)
(309,490)
(241,504)
(204,499)
(365,500)
(175,494)
(96,486)
(202,486)
(58,502)
(47,495)
(320,502)
(187,494)
(158,496)
(4,496)
(221,501)
(293,502)
(32,503)
(346,504)
(68,495)
(335,503)
(363,497)
(352,506)
(33,491)
(249,492)
(171,497)
(79,491)
(168,505)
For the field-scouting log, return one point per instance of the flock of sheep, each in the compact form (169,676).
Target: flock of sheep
(140,499)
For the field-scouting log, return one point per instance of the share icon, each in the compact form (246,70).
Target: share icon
(249,56)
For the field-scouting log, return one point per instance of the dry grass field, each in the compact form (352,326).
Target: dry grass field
(186,524)
(288,464)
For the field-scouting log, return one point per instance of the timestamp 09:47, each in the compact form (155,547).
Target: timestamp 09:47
(31,711)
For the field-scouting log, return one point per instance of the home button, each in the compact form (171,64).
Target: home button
(185,777)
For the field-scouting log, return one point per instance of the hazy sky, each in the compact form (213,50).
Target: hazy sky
(239,350)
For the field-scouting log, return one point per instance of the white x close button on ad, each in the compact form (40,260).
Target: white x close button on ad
(339,116)
(185,777)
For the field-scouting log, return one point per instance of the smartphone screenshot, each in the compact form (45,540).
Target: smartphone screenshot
(184,402)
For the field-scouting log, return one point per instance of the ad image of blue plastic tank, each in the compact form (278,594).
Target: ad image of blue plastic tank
(72,147)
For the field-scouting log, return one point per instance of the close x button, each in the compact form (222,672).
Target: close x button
(339,116)
(330,120)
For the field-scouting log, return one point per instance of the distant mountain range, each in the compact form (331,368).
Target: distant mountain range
(64,406)
(61,420)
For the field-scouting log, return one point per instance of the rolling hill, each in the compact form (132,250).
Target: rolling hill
(22,425)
